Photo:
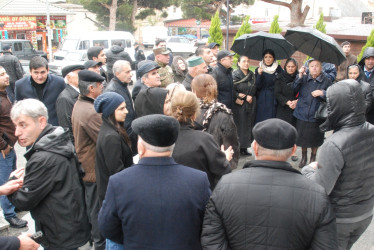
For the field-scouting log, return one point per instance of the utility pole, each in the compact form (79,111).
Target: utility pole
(227,24)
(49,32)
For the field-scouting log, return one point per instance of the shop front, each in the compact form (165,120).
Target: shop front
(189,28)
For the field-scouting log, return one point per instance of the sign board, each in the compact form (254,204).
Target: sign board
(56,22)
(17,22)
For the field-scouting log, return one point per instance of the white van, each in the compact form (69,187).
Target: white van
(104,39)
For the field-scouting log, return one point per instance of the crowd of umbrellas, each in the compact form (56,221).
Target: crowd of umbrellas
(306,40)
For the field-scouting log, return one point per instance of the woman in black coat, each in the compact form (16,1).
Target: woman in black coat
(113,151)
(285,94)
(265,76)
(193,148)
(244,108)
(215,117)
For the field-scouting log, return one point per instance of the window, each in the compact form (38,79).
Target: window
(101,43)
(17,47)
(83,45)
(27,46)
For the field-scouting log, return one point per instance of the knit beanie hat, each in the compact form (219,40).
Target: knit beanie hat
(107,103)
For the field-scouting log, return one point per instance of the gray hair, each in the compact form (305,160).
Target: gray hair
(282,153)
(29,107)
(155,148)
(84,85)
(118,65)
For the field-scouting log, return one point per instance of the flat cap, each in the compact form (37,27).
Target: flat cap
(212,45)
(275,134)
(67,69)
(157,130)
(146,67)
(91,63)
(6,47)
(223,53)
(195,61)
(90,76)
(162,50)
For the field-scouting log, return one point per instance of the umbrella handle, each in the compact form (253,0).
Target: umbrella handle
(245,41)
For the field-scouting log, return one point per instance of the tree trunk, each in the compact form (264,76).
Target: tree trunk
(113,15)
(133,12)
(297,16)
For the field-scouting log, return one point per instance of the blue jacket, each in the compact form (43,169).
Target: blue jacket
(307,105)
(54,86)
(155,204)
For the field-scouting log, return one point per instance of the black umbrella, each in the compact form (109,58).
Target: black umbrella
(252,45)
(314,43)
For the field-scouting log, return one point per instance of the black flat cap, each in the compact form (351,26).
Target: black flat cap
(212,45)
(6,47)
(275,134)
(67,69)
(92,63)
(90,76)
(157,130)
(223,53)
(146,67)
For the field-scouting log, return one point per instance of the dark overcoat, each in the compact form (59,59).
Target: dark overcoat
(155,204)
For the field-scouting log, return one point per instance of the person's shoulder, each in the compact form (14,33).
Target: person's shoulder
(24,80)
(56,79)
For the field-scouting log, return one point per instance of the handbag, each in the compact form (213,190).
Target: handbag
(321,112)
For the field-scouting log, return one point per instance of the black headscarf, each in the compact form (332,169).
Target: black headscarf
(284,76)
(150,101)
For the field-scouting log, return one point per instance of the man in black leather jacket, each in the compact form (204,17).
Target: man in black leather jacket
(269,204)
(345,161)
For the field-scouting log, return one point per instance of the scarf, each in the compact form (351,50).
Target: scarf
(213,107)
(269,69)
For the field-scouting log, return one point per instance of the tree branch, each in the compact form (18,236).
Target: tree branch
(97,23)
(105,5)
(305,13)
(278,3)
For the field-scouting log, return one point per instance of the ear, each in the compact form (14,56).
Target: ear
(294,149)
(94,58)
(43,122)
(255,147)
(141,149)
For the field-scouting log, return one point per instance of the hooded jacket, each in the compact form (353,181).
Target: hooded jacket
(346,158)
(114,54)
(52,190)
(369,52)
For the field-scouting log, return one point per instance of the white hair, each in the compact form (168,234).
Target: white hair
(155,148)
(29,107)
(118,65)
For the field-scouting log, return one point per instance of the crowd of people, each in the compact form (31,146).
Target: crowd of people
(153,169)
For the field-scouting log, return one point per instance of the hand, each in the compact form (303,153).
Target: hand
(228,152)
(302,71)
(260,70)
(241,95)
(238,101)
(293,104)
(10,187)
(314,165)
(317,93)
(249,99)
(6,151)
(18,173)
(27,243)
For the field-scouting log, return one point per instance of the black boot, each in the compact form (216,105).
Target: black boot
(303,159)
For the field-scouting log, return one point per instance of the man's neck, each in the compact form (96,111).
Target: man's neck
(368,70)
(3,90)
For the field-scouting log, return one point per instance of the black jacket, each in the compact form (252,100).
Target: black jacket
(199,150)
(346,158)
(224,81)
(12,67)
(223,129)
(53,192)
(284,92)
(187,81)
(114,54)
(64,108)
(138,86)
(268,205)
(9,243)
(112,155)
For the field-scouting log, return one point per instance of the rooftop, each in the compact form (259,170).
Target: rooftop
(29,7)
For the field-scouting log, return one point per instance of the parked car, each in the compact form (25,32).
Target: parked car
(180,46)
(104,39)
(71,57)
(22,49)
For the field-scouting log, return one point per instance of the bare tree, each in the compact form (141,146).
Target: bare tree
(297,15)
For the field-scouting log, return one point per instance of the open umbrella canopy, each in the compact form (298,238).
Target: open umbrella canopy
(316,44)
(252,45)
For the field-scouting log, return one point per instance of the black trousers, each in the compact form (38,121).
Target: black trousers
(93,208)
(348,233)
